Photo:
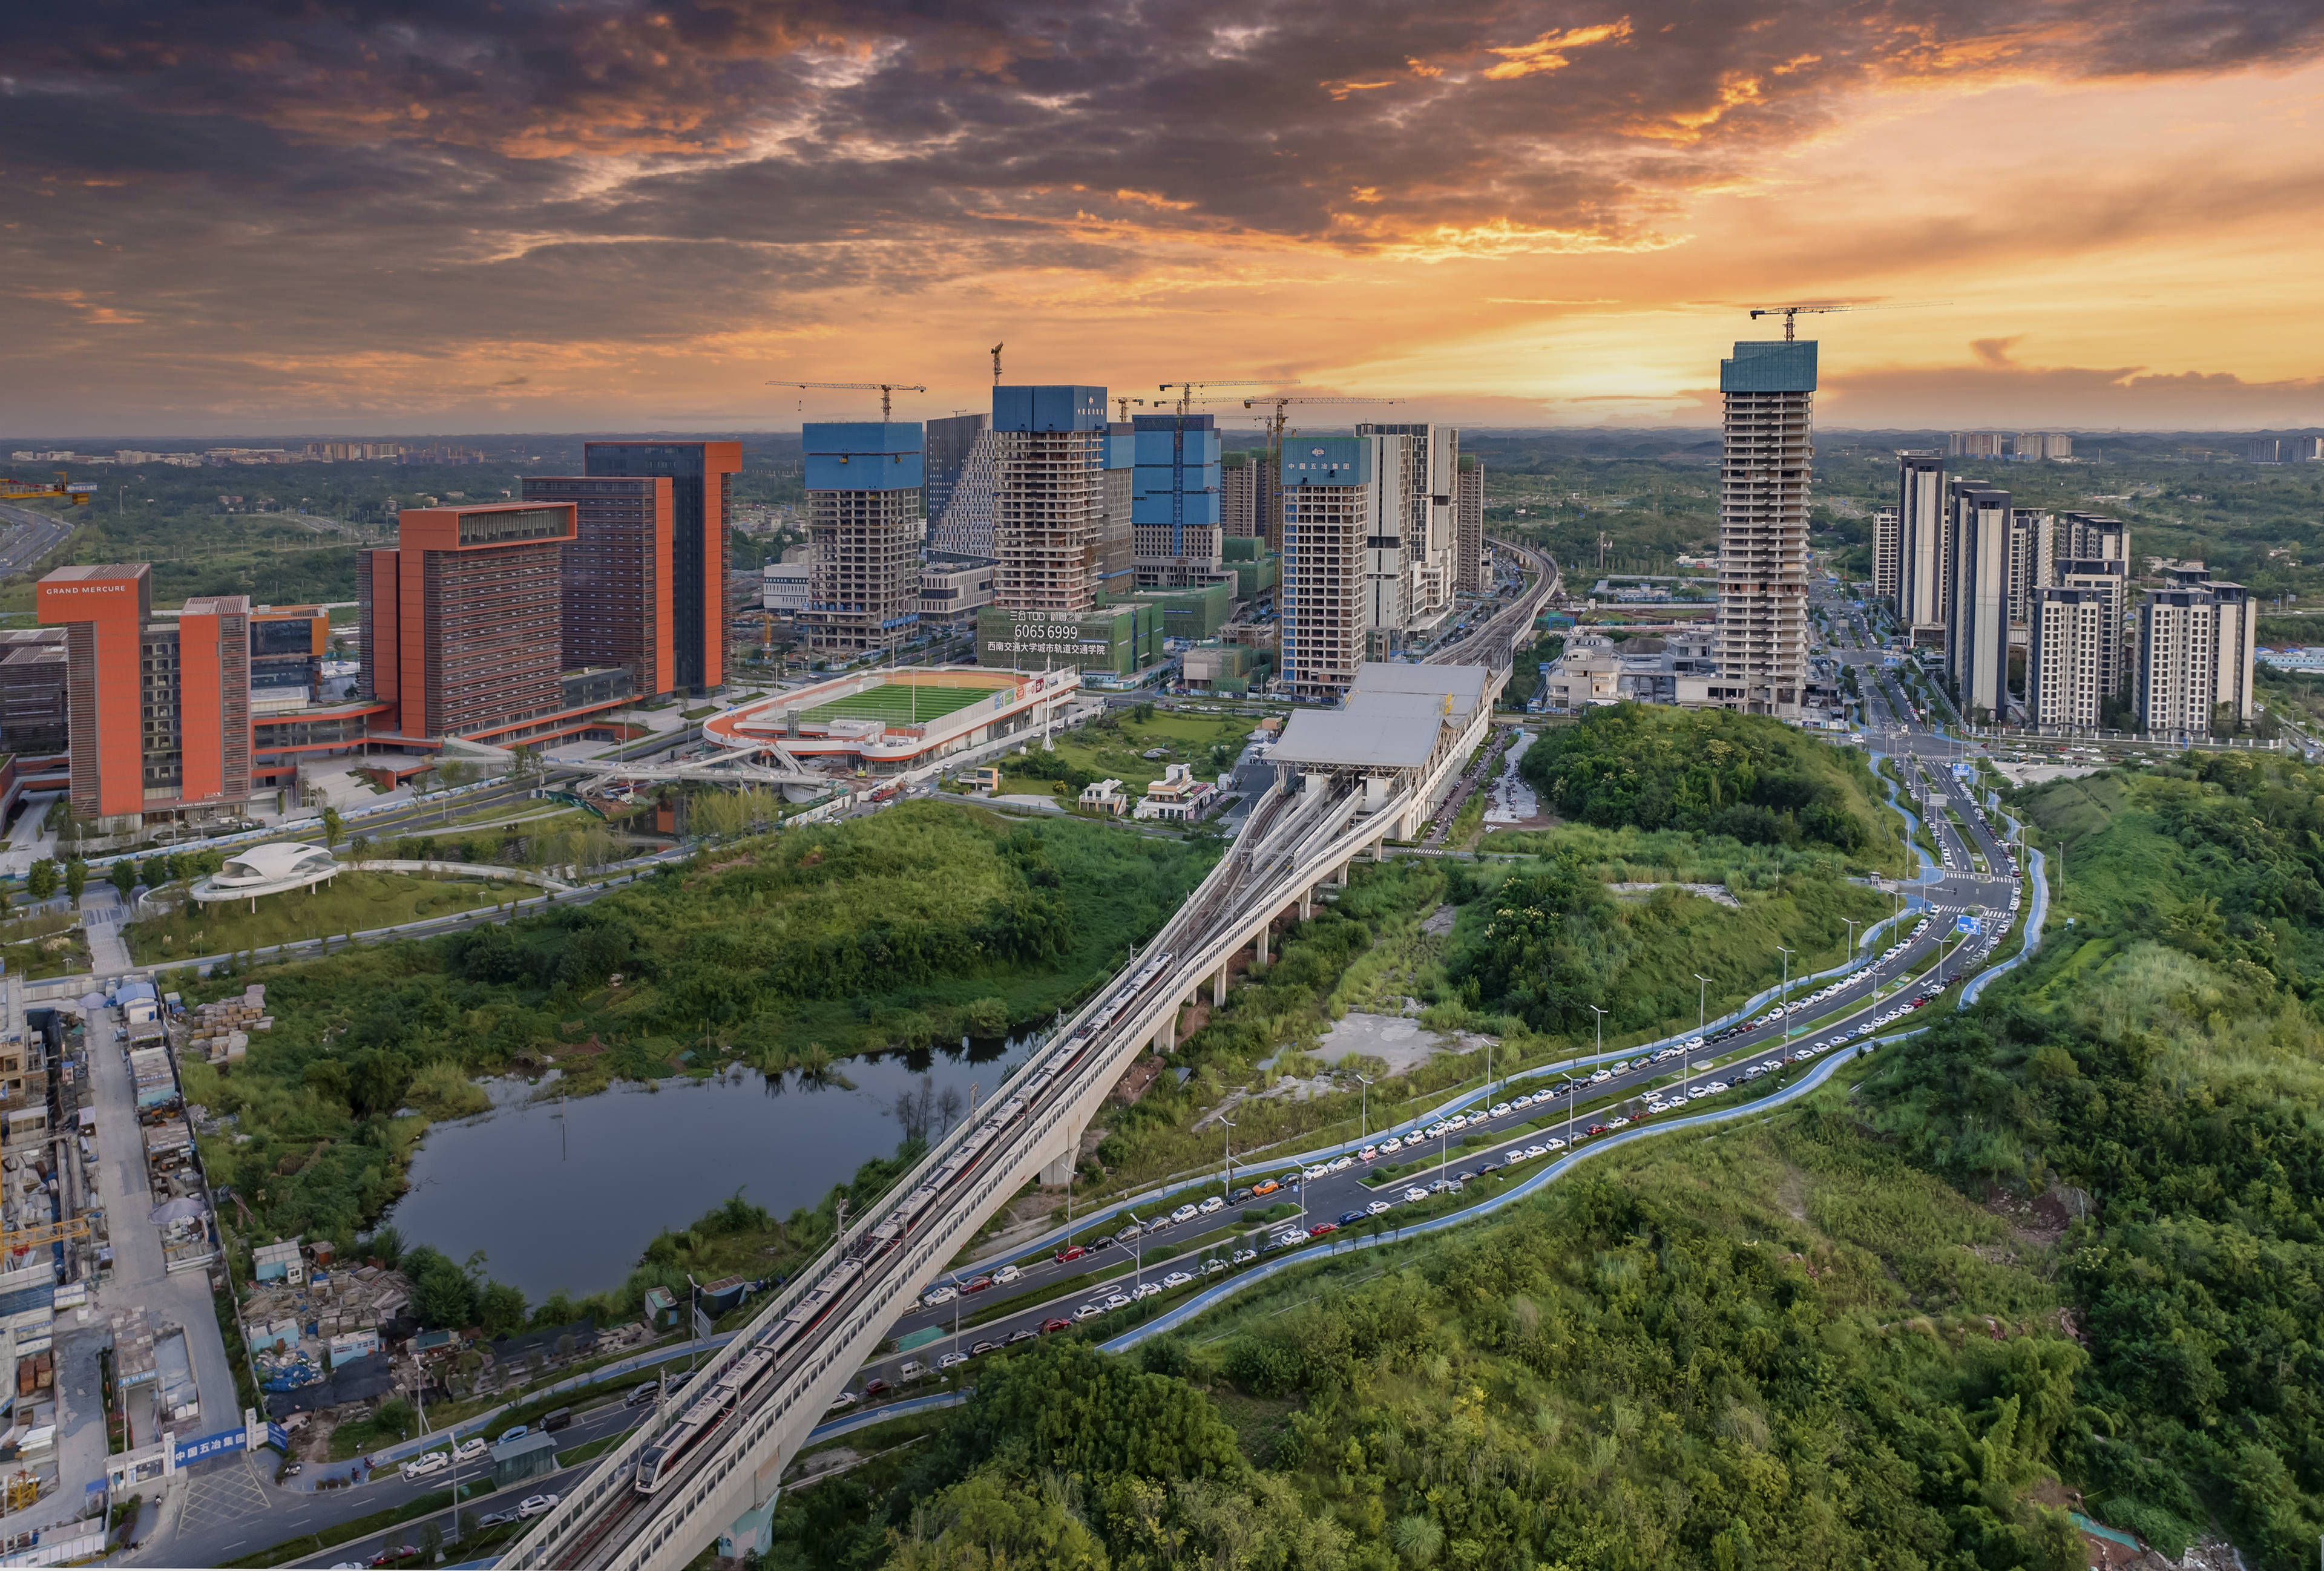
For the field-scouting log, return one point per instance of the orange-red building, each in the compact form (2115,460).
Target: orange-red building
(159,707)
(702,498)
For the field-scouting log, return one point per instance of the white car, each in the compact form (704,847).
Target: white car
(1617,1124)
(951,1360)
(535,1505)
(1217,1203)
(1377,1208)
(936,1296)
(1118,1301)
(1390,1146)
(1343,1164)
(470,1449)
(843,1400)
(1317,1171)
(1458,1121)
(1370,1153)
(1715,1087)
(1177,1278)
(1600,1075)
(1500,1110)
(1439,1127)
(1185,1213)
(421,1466)
(1089,1311)
(1245,1256)
(1535,1153)
(1553,1144)
(1211,1266)
(1513,1156)
(1698,1093)
(913,1369)
(1415,1194)
(1005,1275)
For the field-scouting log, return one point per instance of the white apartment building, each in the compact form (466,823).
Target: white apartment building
(1977,647)
(2070,655)
(1425,527)
(1766,464)
(1923,549)
(2195,649)
(1887,564)
(2031,535)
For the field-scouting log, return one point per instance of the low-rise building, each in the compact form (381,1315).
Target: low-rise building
(1105,796)
(783,587)
(953,588)
(1180,796)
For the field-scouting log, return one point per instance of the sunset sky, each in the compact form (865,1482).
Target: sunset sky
(444,216)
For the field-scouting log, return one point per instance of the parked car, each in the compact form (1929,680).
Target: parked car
(556,1419)
(1118,1301)
(641,1395)
(950,1361)
(1241,1195)
(1264,1187)
(1212,1205)
(913,1369)
(1245,1256)
(1212,1266)
(1378,1208)
(1022,1334)
(422,1465)
(876,1387)
(1177,1278)
(467,1450)
(1145,1290)
(1056,1323)
(1089,1311)
(984,1346)
(1416,1196)
(843,1400)
(1006,1275)
(1071,1253)
(936,1297)
(977,1284)
(534,1505)
(1322,1228)
(497,1519)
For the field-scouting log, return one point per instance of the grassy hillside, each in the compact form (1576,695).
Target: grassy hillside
(1784,1348)
(2162,1055)
(1745,777)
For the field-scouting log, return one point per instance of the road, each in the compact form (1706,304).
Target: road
(41,533)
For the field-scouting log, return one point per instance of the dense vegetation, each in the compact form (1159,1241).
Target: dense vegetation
(2164,1056)
(916,927)
(1774,1352)
(1744,776)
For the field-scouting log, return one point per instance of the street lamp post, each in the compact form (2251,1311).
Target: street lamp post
(1364,1108)
(1786,1004)
(1702,1027)
(1573,1090)
(1227,1187)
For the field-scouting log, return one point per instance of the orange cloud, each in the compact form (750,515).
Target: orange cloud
(1547,52)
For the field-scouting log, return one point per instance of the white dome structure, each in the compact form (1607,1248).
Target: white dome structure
(276,867)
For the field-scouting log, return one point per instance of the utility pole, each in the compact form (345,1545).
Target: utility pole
(1702,1027)
(1364,1106)
(1786,1005)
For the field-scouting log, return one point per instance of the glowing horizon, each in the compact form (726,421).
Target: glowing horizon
(226,222)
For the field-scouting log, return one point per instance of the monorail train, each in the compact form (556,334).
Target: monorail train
(733,1390)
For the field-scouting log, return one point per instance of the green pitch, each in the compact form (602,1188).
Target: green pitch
(895,701)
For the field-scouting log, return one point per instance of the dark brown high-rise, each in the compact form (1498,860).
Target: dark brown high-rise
(702,500)
(618,574)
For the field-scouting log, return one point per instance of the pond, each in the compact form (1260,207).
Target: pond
(567,1193)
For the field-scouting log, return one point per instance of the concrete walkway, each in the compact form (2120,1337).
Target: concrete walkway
(102,914)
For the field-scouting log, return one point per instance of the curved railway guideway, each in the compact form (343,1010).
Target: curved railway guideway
(1497,639)
(717,1451)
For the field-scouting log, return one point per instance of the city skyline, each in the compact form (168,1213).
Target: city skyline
(510,220)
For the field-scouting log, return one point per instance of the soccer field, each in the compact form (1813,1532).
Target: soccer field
(899,701)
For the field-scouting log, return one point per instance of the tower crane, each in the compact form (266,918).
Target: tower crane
(996,362)
(884,388)
(26,490)
(1186,389)
(1125,400)
(1788,313)
(1275,425)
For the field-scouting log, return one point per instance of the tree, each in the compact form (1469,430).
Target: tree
(75,878)
(333,826)
(123,876)
(394,1413)
(500,1309)
(42,881)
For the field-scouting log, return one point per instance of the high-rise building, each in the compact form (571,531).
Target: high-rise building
(463,621)
(1887,565)
(1923,548)
(2051,445)
(962,465)
(2195,649)
(1249,496)
(2032,537)
(619,597)
(2267,450)
(1331,492)
(1050,497)
(1425,528)
(1977,445)
(1117,532)
(2108,580)
(2069,655)
(1176,501)
(1469,526)
(1765,465)
(2091,536)
(159,708)
(1977,652)
(701,504)
(1392,587)
(865,519)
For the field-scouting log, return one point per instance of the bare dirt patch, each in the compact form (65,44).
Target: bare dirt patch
(1401,1042)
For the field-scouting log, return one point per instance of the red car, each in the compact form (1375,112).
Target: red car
(1322,1228)
(1595,1129)
(873,1388)
(978,1286)
(1072,1252)
(1058,1324)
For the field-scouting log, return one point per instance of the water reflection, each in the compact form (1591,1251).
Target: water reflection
(566,1193)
